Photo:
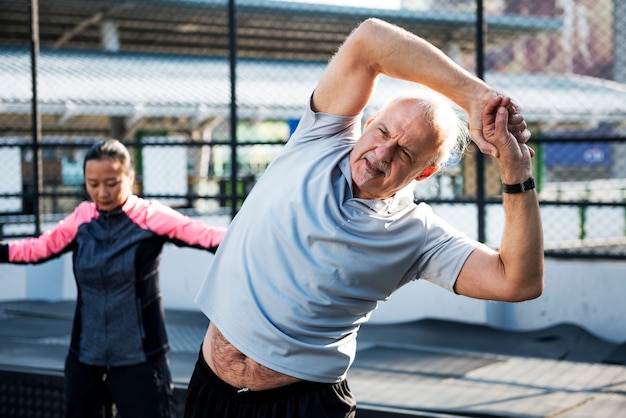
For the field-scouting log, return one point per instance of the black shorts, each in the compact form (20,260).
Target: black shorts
(210,397)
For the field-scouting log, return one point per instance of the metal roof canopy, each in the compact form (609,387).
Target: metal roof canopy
(173,68)
(267,29)
(193,89)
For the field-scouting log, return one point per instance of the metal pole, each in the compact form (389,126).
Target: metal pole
(481,29)
(496,312)
(36,117)
(232,36)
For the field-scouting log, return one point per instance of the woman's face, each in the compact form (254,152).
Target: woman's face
(108,183)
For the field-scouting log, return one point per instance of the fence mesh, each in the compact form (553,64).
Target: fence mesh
(157,75)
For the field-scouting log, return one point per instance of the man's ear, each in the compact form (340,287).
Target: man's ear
(428,171)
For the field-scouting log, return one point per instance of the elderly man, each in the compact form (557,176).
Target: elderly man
(331,229)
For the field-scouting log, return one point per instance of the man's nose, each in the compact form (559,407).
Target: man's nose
(384,152)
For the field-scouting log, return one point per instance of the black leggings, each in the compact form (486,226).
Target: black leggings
(210,397)
(142,390)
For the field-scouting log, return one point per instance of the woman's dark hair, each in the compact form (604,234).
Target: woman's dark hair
(111,149)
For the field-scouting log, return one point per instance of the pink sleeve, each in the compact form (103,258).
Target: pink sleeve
(179,228)
(54,242)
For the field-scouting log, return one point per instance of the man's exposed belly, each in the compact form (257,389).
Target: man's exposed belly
(237,369)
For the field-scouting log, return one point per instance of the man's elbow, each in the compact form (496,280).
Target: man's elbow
(370,29)
(533,293)
(531,290)
(371,24)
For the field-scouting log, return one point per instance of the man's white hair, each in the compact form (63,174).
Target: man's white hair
(441,115)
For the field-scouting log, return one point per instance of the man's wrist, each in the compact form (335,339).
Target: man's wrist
(522,187)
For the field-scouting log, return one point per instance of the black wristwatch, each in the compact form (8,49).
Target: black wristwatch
(519,187)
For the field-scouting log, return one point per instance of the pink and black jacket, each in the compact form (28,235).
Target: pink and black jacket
(119,317)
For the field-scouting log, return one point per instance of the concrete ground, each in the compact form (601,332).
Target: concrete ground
(422,368)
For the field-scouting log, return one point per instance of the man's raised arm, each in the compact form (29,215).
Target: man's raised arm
(515,272)
(376,47)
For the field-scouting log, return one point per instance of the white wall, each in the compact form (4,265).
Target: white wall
(589,294)
(12,282)
(182,270)
(586,293)
(51,281)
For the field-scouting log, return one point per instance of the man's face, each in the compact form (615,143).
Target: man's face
(396,147)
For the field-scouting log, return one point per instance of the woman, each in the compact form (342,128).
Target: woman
(118,349)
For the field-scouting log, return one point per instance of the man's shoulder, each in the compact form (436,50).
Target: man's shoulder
(321,126)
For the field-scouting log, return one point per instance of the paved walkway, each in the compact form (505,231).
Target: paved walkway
(431,366)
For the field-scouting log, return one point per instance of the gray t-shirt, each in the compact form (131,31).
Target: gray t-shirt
(304,264)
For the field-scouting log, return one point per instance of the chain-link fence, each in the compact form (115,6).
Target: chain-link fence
(205,92)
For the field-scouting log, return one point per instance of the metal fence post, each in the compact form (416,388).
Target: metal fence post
(232,45)
(480,158)
(36,117)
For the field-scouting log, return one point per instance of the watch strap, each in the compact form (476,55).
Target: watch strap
(526,185)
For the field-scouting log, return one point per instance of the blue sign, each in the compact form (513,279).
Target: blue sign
(577,154)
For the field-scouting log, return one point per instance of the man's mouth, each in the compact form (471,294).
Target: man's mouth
(374,167)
